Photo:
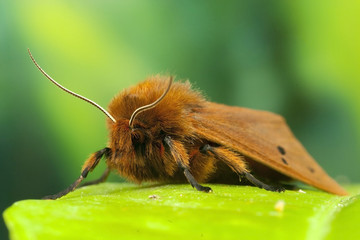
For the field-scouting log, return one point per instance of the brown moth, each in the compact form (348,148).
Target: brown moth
(167,132)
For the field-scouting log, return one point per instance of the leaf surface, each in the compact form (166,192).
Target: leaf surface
(128,211)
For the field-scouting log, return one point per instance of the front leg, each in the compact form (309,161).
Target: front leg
(89,165)
(182,159)
(101,179)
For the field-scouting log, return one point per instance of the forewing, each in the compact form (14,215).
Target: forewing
(264,137)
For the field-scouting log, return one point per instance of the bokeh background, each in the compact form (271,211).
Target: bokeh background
(296,58)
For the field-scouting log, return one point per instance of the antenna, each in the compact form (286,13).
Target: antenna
(151,105)
(71,92)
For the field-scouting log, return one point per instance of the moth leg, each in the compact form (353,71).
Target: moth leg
(101,179)
(260,184)
(182,159)
(194,183)
(238,165)
(89,165)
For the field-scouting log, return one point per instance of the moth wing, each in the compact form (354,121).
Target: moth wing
(259,135)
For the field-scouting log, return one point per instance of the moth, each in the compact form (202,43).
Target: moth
(164,131)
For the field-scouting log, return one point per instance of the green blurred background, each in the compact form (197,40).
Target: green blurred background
(296,58)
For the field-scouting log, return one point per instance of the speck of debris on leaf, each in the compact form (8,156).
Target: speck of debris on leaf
(154,197)
(280,206)
(301,191)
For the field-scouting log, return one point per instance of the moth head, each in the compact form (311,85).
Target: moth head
(140,131)
(135,130)
(149,106)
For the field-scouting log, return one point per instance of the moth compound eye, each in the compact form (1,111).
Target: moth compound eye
(137,136)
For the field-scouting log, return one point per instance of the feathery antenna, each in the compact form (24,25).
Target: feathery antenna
(151,105)
(71,92)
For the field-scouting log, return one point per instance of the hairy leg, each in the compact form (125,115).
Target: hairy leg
(89,165)
(101,179)
(181,157)
(237,164)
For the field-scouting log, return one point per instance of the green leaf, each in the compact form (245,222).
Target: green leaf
(128,211)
